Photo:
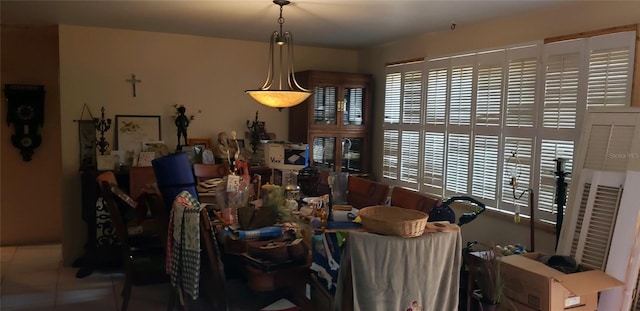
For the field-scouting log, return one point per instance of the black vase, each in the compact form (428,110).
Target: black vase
(308,180)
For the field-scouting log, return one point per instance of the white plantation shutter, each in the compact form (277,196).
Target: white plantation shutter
(390,154)
(457,164)
(517,160)
(412,98)
(392,97)
(461,94)
(599,217)
(610,68)
(549,151)
(609,148)
(401,128)
(485,168)
(433,162)
(489,96)
(561,90)
(409,157)
(584,197)
(457,120)
(437,96)
(521,87)
(608,76)
(601,225)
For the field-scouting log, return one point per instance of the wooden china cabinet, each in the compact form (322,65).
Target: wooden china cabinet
(335,121)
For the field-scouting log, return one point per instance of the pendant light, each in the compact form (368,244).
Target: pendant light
(294,94)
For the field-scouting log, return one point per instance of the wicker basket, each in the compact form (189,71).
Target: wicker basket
(394,221)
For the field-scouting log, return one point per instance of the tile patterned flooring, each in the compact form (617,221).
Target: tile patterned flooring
(34,279)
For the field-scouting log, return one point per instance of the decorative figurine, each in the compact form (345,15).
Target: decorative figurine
(102,126)
(182,122)
(223,151)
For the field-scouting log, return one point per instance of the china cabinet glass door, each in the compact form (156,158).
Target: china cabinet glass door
(324,105)
(352,149)
(324,150)
(352,106)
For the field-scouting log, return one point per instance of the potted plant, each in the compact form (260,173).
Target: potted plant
(490,281)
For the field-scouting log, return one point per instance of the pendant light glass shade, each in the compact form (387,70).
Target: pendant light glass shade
(280,98)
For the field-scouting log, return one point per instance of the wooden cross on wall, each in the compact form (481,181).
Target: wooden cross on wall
(133,82)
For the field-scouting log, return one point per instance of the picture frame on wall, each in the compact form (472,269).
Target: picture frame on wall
(132,131)
(204,142)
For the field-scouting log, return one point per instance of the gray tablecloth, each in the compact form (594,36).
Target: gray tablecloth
(392,273)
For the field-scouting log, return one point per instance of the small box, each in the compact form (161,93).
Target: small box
(539,287)
(286,156)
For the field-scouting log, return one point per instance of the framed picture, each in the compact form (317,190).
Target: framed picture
(204,142)
(132,131)
(87,142)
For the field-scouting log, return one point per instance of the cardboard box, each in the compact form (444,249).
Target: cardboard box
(539,287)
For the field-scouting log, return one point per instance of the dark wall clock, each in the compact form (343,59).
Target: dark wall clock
(25,111)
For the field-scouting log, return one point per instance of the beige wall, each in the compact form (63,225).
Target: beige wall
(31,201)
(201,73)
(574,17)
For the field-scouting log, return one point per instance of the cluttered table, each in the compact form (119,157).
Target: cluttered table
(337,251)
(421,272)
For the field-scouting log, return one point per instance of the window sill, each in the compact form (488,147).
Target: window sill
(500,215)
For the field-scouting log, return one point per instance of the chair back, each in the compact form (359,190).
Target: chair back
(208,171)
(364,192)
(141,179)
(412,199)
(117,220)
(215,288)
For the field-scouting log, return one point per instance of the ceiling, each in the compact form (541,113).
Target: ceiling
(325,23)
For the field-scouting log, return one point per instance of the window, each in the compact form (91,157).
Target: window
(473,124)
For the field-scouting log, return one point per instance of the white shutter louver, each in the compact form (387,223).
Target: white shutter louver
(461,94)
(521,92)
(485,168)
(457,165)
(561,91)
(409,156)
(412,98)
(390,154)
(437,96)
(517,160)
(489,96)
(433,161)
(392,98)
(549,151)
(602,223)
(608,78)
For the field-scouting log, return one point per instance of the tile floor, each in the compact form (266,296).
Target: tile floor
(34,279)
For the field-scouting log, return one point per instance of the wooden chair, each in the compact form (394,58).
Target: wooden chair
(412,199)
(143,243)
(141,179)
(208,171)
(363,192)
(203,172)
(212,279)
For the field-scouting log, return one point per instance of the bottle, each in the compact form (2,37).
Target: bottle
(330,207)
